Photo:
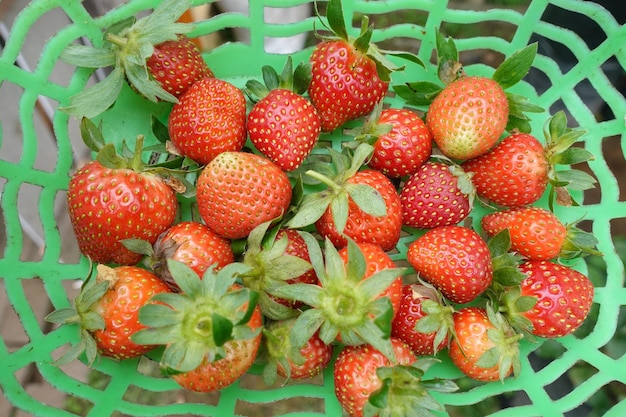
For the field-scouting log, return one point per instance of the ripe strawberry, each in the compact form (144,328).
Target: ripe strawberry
(238,191)
(423,321)
(455,260)
(210,118)
(485,348)
(283,125)
(192,243)
(368,383)
(564,297)
(436,195)
(538,234)
(518,170)
(107,310)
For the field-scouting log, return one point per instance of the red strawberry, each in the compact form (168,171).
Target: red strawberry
(194,244)
(210,118)
(283,125)
(107,310)
(538,234)
(518,170)
(485,348)
(455,260)
(436,195)
(238,191)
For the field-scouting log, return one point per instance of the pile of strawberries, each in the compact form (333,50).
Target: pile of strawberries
(288,255)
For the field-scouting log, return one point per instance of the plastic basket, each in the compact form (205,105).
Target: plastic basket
(127,387)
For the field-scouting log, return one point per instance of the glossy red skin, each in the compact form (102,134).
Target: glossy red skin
(377,260)
(344,85)
(107,205)
(119,307)
(455,260)
(362,227)
(513,174)
(210,118)
(564,297)
(471,325)
(214,376)
(284,126)
(405,148)
(355,373)
(403,325)
(238,191)
(536,233)
(177,65)
(317,356)
(431,198)
(468,117)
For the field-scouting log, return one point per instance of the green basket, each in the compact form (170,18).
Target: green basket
(132,387)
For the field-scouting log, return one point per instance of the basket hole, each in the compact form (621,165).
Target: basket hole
(255,382)
(488,405)
(549,350)
(280,407)
(69,246)
(616,347)
(11,328)
(10,127)
(31,227)
(566,383)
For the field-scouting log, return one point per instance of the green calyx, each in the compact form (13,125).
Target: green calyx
(278,350)
(196,323)
(578,243)
(270,268)
(296,81)
(339,191)
(344,304)
(438,316)
(370,131)
(404,392)
(126,47)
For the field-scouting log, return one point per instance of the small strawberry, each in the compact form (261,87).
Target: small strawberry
(283,125)
(238,191)
(519,169)
(210,118)
(538,234)
(367,383)
(485,348)
(455,260)
(437,194)
(107,310)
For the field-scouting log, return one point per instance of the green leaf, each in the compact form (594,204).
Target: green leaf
(91,293)
(334,15)
(418,94)
(96,99)
(108,158)
(174,300)
(183,356)
(72,354)
(380,397)
(315,255)
(377,283)
(302,77)
(367,198)
(305,326)
(572,156)
(91,135)
(90,347)
(156,336)
(339,207)
(500,244)
(159,315)
(446,48)
(186,279)
(372,334)
(63,316)
(307,293)
(88,56)
(520,124)
(139,78)
(312,208)
(515,67)
(557,125)
(270,77)
(222,329)
(576,179)
(362,44)
(356,265)
(335,267)
(160,130)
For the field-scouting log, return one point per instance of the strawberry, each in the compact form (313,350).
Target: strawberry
(423,321)
(152,54)
(211,331)
(538,234)
(107,310)
(210,118)
(367,383)
(563,299)
(519,169)
(455,260)
(283,125)
(238,191)
(437,194)
(485,347)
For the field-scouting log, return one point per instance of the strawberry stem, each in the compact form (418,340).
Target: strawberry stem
(324,180)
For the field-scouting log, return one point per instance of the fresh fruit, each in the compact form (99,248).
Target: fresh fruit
(367,383)
(485,348)
(210,118)
(538,234)
(283,125)
(211,330)
(423,321)
(237,191)
(564,298)
(107,310)
(437,194)
(455,260)
(152,54)
(519,169)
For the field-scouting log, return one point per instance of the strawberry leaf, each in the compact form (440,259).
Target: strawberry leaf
(222,329)
(515,67)
(419,93)
(95,99)
(88,56)
(367,198)
(334,15)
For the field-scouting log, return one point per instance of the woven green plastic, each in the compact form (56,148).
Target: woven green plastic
(236,61)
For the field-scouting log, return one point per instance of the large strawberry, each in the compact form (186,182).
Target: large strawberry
(283,125)
(210,118)
(152,54)
(349,76)
(107,310)
(238,191)
(519,169)
(455,260)
(538,234)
